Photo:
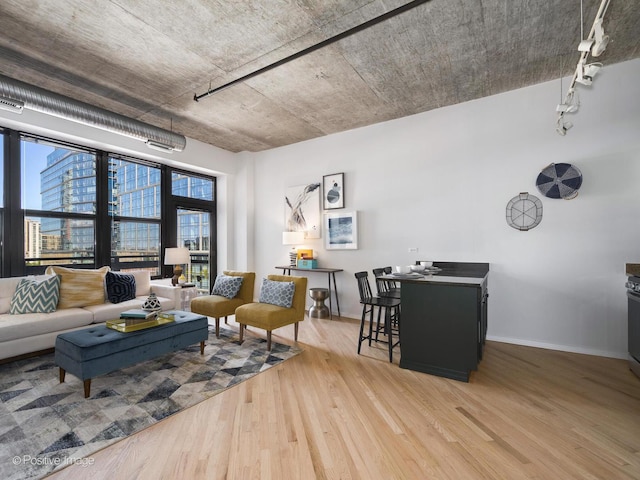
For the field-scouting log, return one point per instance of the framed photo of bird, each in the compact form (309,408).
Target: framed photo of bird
(302,209)
(333,191)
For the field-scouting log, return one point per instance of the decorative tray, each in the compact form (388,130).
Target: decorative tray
(134,324)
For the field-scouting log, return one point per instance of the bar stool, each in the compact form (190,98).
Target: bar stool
(387,305)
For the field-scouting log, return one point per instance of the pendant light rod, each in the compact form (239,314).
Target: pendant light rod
(317,46)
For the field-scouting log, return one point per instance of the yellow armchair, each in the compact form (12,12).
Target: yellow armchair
(269,317)
(217,306)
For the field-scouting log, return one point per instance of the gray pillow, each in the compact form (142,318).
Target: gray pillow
(277,293)
(36,296)
(227,286)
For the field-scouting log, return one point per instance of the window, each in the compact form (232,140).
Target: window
(185,185)
(135,209)
(58,190)
(63,204)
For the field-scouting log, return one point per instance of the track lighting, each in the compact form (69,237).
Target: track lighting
(601,40)
(585,73)
(594,44)
(571,102)
(563,126)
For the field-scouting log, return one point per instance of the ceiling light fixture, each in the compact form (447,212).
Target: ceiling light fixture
(594,44)
(585,73)
(601,40)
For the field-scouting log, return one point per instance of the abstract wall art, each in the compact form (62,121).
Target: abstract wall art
(302,209)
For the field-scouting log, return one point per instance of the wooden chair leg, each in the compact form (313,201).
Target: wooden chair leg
(295,331)
(217,327)
(202,347)
(269,340)
(225,319)
(241,331)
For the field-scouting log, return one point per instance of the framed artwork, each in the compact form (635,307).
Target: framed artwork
(341,231)
(333,191)
(302,209)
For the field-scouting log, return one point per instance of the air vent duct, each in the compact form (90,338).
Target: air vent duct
(11,105)
(14,92)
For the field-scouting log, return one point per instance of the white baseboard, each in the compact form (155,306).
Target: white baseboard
(562,348)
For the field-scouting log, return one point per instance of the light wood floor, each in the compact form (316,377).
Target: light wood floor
(329,413)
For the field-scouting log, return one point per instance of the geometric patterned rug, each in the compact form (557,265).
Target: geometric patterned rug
(46,425)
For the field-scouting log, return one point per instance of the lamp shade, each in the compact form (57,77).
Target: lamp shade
(292,238)
(176,256)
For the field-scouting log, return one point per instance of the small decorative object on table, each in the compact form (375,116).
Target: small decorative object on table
(152,303)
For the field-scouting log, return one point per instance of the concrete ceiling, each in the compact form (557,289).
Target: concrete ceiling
(146,59)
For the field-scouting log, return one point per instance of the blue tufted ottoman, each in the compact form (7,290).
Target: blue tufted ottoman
(99,350)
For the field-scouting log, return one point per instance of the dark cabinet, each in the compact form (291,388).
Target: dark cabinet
(444,324)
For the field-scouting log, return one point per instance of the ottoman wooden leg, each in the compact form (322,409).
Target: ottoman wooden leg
(87,387)
(62,372)
(202,347)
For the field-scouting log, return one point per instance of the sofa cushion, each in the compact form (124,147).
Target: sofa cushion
(8,287)
(80,287)
(120,287)
(36,296)
(277,293)
(227,286)
(32,324)
(143,281)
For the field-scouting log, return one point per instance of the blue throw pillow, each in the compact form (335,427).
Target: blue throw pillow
(277,293)
(120,287)
(36,296)
(227,286)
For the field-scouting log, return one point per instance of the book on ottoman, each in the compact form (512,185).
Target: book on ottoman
(138,313)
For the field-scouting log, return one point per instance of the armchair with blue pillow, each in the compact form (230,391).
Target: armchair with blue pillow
(282,302)
(230,290)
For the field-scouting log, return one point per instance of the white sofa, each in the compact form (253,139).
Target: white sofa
(33,332)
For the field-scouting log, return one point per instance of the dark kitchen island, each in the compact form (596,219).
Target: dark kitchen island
(443,322)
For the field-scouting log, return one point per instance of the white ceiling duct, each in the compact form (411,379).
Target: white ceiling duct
(15,94)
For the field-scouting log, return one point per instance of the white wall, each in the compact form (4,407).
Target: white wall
(440,181)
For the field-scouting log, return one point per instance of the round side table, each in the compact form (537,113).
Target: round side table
(319,309)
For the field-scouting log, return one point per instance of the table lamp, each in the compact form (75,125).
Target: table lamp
(292,238)
(176,256)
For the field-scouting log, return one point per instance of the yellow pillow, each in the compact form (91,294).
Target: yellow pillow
(80,287)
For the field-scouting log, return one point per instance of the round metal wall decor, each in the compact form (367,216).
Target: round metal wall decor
(559,180)
(524,212)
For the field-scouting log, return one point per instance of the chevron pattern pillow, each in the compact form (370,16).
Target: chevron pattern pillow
(120,287)
(33,296)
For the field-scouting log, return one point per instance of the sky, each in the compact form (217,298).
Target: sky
(34,160)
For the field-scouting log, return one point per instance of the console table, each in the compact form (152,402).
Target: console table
(331,276)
